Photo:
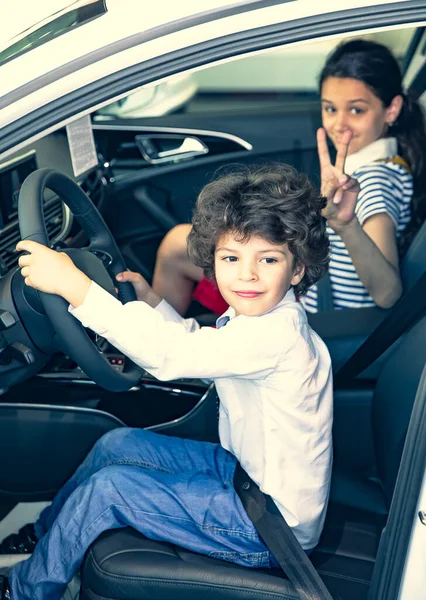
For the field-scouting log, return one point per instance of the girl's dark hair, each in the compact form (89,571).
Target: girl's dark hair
(274,202)
(374,65)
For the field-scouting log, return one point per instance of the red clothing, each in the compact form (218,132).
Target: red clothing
(207,294)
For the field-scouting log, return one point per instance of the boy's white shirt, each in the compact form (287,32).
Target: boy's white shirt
(273,377)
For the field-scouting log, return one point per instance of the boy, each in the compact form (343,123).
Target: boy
(260,234)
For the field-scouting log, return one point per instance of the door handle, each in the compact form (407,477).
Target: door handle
(160,149)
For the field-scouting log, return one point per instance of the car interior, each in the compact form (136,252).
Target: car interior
(62,387)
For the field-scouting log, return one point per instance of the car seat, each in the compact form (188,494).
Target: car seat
(344,331)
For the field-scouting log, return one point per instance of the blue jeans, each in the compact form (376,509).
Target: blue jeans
(167,488)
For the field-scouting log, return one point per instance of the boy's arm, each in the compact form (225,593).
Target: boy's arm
(52,272)
(172,316)
(145,293)
(168,351)
(244,348)
(55,273)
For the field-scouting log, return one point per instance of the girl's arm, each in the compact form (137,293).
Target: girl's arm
(374,254)
(372,247)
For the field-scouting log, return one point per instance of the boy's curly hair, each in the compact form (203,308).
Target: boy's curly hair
(274,202)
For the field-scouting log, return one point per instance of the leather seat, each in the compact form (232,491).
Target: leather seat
(122,564)
(344,331)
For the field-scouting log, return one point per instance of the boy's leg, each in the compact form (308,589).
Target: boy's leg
(124,445)
(175,276)
(195,506)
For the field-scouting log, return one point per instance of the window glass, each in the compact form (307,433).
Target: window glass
(417,61)
(282,76)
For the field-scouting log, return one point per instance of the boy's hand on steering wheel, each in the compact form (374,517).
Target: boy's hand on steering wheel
(52,272)
(143,290)
(139,283)
(340,190)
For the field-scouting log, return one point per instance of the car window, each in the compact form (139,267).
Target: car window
(416,64)
(262,80)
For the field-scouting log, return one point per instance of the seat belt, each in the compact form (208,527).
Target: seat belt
(324,293)
(406,312)
(279,538)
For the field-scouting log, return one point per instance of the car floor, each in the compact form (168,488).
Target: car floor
(23,513)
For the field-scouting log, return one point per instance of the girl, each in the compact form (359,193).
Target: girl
(366,113)
(380,130)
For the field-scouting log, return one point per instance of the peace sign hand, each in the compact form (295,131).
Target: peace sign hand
(340,190)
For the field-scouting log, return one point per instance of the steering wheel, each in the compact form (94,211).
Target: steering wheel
(69,335)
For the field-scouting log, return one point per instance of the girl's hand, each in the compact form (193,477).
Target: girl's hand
(52,272)
(143,290)
(340,190)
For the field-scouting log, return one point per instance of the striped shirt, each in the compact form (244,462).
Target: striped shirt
(386,187)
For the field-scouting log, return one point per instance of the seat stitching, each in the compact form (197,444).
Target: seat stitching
(339,576)
(203,586)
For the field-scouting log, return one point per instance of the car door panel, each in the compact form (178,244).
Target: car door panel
(149,199)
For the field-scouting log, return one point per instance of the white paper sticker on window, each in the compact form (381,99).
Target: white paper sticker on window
(82,145)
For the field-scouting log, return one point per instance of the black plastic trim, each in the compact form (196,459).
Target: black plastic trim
(418,84)
(200,54)
(414,43)
(62,408)
(396,538)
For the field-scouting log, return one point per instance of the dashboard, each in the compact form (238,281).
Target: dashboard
(53,152)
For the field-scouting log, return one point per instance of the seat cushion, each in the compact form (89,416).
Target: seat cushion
(358,494)
(346,553)
(122,564)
